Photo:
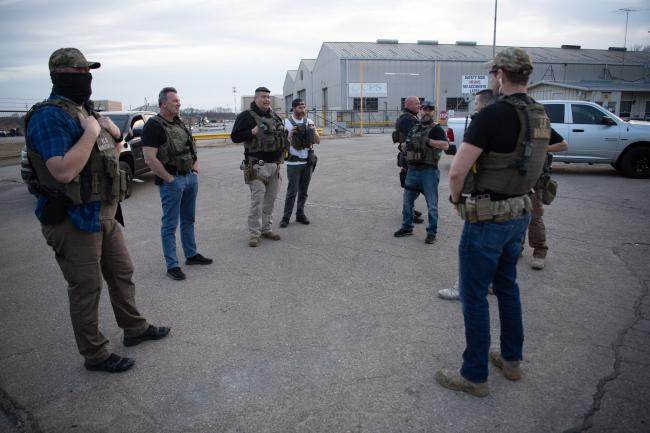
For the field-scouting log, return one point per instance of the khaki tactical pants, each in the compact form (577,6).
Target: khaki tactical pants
(264,190)
(85,257)
(536,229)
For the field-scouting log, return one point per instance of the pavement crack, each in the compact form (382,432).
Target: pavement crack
(616,346)
(21,419)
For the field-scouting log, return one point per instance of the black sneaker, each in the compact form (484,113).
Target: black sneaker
(302,219)
(113,364)
(198,259)
(284,223)
(430,239)
(403,232)
(152,333)
(175,273)
(418,220)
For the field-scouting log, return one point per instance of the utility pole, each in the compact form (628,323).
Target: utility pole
(234,95)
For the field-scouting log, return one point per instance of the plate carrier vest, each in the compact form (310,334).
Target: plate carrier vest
(99,180)
(417,150)
(302,136)
(515,173)
(178,151)
(272,134)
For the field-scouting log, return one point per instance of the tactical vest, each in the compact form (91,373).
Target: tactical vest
(99,180)
(272,135)
(302,136)
(417,150)
(397,135)
(514,173)
(178,150)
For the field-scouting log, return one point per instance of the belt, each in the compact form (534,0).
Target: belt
(294,158)
(179,172)
(475,209)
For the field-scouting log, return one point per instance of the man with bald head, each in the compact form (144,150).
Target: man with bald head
(405,122)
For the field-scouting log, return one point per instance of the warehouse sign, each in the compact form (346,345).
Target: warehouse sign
(370,90)
(474,83)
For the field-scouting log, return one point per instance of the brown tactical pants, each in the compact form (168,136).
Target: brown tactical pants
(84,257)
(536,229)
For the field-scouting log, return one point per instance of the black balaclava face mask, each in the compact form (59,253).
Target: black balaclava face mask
(72,85)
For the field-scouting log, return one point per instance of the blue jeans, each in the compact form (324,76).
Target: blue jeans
(423,180)
(488,252)
(178,200)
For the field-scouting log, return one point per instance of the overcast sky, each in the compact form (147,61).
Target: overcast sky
(204,48)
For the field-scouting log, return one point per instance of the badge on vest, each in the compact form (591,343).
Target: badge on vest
(103,142)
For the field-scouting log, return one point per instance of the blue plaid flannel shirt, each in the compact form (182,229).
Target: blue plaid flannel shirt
(53,132)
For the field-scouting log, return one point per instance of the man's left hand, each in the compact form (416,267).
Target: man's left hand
(107,124)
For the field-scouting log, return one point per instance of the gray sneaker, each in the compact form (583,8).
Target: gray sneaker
(510,369)
(253,241)
(537,263)
(450,294)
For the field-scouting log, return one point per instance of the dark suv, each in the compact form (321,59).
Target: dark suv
(131,157)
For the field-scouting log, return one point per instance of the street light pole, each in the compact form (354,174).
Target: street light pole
(494,34)
(234,96)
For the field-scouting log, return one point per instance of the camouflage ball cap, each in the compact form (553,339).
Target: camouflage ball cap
(71,57)
(512,59)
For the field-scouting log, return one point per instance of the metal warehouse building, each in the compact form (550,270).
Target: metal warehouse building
(385,72)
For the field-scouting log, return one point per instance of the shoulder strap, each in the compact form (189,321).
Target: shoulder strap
(293,122)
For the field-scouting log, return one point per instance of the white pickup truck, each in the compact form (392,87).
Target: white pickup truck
(595,136)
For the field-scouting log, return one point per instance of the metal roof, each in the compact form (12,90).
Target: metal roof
(292,73)
(309,63)
(479,53)
(599,86)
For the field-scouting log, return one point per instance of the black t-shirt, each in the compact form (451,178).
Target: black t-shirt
(437,133)
(496,128)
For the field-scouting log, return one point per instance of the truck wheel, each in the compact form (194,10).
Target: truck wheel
(124,166)
(636,163)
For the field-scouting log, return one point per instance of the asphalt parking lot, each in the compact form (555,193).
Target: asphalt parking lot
(337,327)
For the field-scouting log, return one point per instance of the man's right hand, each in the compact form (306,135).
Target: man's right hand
(90,124)
(255,130)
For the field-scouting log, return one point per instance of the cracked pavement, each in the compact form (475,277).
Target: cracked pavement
(337,327)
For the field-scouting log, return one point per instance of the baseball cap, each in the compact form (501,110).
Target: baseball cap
(296,102)
(513,59)
(428,104)
(70,57)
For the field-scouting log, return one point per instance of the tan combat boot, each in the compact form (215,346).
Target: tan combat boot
(510,369)
(453,380)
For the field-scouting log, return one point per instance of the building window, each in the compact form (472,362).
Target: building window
(302,94)
(369,104)
(555,112)
(404,100)
(457,104)
(647,110)
(301,77)
(626,109)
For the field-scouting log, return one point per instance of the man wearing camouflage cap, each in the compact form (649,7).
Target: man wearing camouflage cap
(498,163)
(74,154)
